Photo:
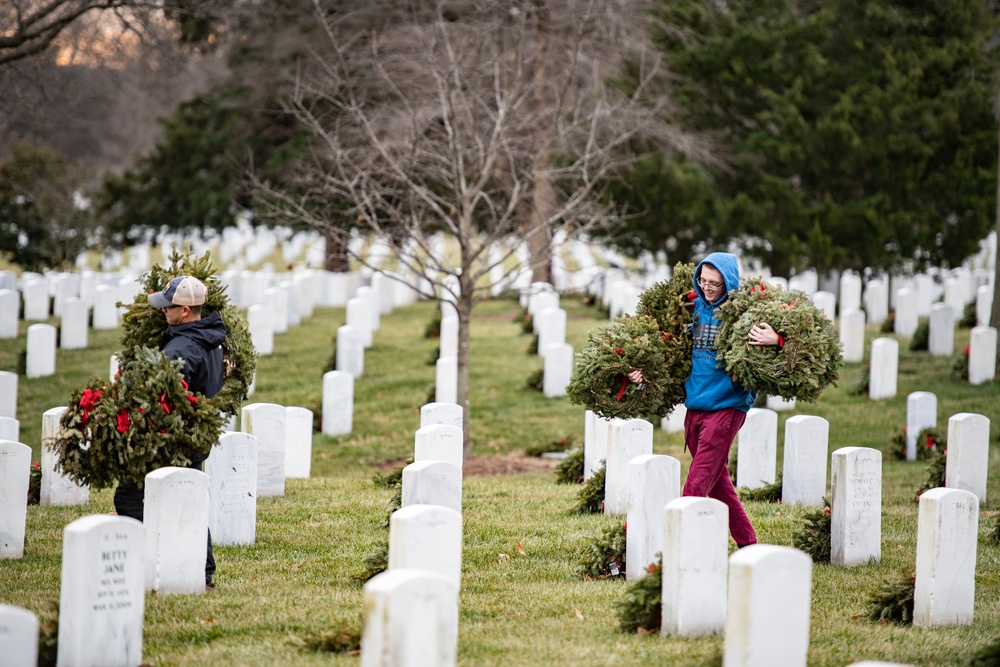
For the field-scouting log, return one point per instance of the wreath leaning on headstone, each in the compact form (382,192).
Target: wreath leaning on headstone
(146,418)
(810,359)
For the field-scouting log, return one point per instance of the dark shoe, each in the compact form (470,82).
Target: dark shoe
(209,586)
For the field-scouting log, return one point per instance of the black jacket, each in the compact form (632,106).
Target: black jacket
(199,344)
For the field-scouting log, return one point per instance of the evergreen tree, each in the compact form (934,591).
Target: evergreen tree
(857,133)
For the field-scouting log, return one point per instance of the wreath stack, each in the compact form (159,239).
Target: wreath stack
(656,340)
(147,418)
(810,359)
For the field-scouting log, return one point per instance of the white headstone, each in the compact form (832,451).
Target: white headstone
(856,506)
(36,300)
(18,637)
(8,394)
(674,422)
(767,619)
(15,470)
(695,566)
(941,331)
(10,429)
(441,413)
(438,442)
(955,293)
(628,439)
(359,316)
(925,288)
(338,403)
(906,312)
(968,453)
(73,325)
(654,480)
(102,592)
(448,341)
(335,292)
(596,456)
(10,312)
(432,483)
(369,295)
(541,297)
(426,537)
(298,442)
(293,307)
(876,301)
(945,587)
(411,620)
(232,471)
(175,516)
(883,371)
(921,413)
(779,404)
(825,302)
(261,328)
(277,300)
(984,305)
(803,476)
(557,369)
(757,449)
(57,489)
(41,361)
(852,335)
(850,292)
(982,354)
(551,326)
(105,307)
(267,422)
(446,380)
(350,350)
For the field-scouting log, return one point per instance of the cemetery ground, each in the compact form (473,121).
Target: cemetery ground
(521,602)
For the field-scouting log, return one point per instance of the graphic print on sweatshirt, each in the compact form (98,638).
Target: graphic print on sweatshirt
(704,335)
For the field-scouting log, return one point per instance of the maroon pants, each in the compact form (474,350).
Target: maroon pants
(709,435)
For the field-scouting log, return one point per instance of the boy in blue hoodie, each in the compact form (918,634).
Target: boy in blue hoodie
(716,404)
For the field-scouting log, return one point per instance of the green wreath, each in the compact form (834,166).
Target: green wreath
(147,418)
(810,359)
(600,380)
(657,341)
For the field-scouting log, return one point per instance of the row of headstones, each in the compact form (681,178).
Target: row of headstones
(548,321)
(412,607)
(692,536)
(241,468)
(425,559)
(884,362)
(756,459)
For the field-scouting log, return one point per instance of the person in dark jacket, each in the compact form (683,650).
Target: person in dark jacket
(197,341)
(716,404)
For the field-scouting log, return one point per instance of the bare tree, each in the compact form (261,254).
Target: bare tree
(30,27)
(481,122)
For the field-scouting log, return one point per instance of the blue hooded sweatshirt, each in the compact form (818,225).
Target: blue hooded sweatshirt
(708,387)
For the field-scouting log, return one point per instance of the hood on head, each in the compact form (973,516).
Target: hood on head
(725,263)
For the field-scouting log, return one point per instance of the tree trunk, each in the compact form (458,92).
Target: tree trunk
(336,252)
(995,313)
(464,307)
(540,232)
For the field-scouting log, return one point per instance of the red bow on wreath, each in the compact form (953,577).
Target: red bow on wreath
(123,421)
(88,402)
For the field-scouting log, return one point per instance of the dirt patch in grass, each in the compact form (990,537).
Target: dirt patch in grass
(513,464)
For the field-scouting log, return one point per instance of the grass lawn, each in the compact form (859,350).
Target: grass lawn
(516,609)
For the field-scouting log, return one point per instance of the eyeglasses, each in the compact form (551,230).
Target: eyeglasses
(710,285)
